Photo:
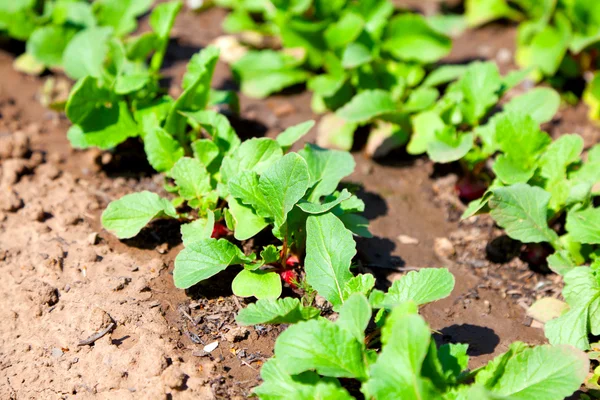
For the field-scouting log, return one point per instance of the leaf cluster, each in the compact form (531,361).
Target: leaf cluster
(398,358)
(559,40)
(362,60)
(251,187)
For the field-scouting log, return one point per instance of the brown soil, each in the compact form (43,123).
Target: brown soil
(66,279)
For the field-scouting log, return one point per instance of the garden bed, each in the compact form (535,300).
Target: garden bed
(65,278)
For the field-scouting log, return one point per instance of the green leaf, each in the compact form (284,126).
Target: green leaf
(247,222)
(539,103)
(329,252)
(281,311)
(87,96)
(121,14)
(449,145)
(544,372)
(425,126)
(444,74)
(420,99)
(322,346)
(196,84)
(521,210)
(86,52)
(48,43)
(344,31)
(218,126)
(479,85)
(409,37)
(203,259)
(161,21)
(543,48)
(162,150)
(332,201)
(363,283)
(357,224)
(199,229)
(397,372)
(292,134)
(105,128)
(255,154)
(260,284)
(327,168)
(355,55)
(191,177)
(479,12)
(367,105)
(584,225)
(284,183)
(421,287)
(127,216)
(205,150)
(265,72)
(355,315)
(278,384)
(561,153)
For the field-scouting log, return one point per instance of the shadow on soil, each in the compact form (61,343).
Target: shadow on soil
(481,340)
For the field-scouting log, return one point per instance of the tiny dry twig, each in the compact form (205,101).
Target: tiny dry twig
(97,335)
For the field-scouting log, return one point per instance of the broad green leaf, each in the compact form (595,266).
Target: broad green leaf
(425,126)
(278,384)
(198,229)
(86,52)
(363,283)
(105,128)
(247,223)
(87,97)
(421,287)
(281,311)
(397,372)
(218,126)
(292,134)
(245,188)
(444,74)
(121,15)
(127,216)
(367,105)
(161,21)
(544,49)
(203,259)
(162,150)
(48,43)
(584,225)
(329,252)
(543,372)
(539,103)
(255,154)
(151,115)
(284,183)
(330,202)
(521,210)
(327,168)
(479,85)
(355,55)
(409,37)
(420,99)
(559,155)
(355,315)
(322,346)
(260,284)
(205,150)
(448,145)
(479,12)
(196,84)
(357,224)
(344,31)
(265,72)
(191,177)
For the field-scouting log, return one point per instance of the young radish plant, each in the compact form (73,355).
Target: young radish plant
(68,34)
(558,40)
(392,355)
(239,190)
(120,97)
(543,195)
(363,61)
